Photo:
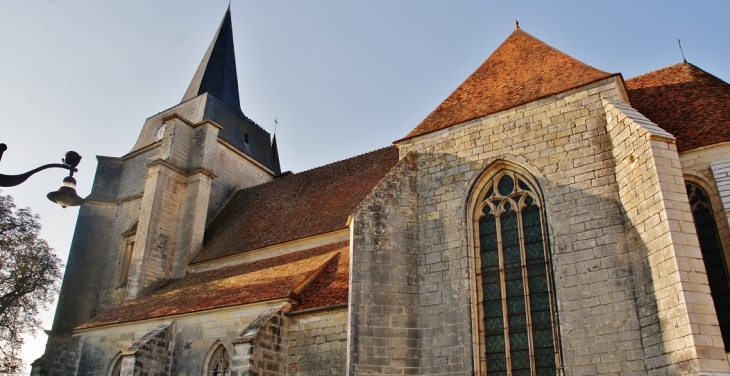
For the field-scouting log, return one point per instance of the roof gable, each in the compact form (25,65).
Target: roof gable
(521,70)
(295,206)
(686,101)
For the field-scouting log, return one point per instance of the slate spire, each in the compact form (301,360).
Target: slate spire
(217,72)
(275,154)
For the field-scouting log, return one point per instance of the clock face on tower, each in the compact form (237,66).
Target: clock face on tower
(160,132)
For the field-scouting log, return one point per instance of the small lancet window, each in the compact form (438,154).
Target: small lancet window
(219,363)
(125,259)
(517,317)
(712,255)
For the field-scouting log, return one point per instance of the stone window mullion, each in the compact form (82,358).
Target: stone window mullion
(503,286)
(525,282)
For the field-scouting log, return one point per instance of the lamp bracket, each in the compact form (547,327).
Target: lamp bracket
(13,180)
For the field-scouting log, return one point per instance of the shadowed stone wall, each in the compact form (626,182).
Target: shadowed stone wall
(152,353)
(63,360)
(318,343)
(679,328)
(262,348)
(383,323)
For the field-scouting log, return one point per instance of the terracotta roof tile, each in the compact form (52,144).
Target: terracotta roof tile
(686,101)
(257,281)
(330,287)
(521,70)
(295,206)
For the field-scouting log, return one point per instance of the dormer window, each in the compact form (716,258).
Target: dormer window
(245,138)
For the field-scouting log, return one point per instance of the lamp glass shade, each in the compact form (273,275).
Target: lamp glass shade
(66,195)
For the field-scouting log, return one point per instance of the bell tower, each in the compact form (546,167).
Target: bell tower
(148,209)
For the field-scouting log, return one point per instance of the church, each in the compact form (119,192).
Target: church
(547,218)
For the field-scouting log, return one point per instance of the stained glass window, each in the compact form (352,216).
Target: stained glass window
(712,256)
(518,322)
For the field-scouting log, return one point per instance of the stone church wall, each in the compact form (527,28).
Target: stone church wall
(134,175)
(62,360)
(151,354)
(383,322)
(193,337)
(318,343)
(678,326)
(89,281)
(562,140)
(84,269)
(262,348)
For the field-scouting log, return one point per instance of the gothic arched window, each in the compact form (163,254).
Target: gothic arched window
(712,256)
(116,368)
(219,363)
(517,326)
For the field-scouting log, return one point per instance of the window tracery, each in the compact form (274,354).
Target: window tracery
(220,362)
(517,323)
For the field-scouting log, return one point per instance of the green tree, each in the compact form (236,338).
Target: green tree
(30,274)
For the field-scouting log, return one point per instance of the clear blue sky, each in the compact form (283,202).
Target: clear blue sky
(343,78)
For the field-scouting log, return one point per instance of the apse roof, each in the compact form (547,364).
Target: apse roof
(258,281)
(521,70)
(295,206)
(686,101)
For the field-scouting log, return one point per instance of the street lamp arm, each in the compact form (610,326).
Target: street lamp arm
(13,180)
(64,196)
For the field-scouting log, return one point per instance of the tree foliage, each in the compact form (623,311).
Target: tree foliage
(30,273)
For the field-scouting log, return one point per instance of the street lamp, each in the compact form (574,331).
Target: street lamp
(64,196)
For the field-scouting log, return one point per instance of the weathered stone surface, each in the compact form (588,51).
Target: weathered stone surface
(318,343)
(563,142)
(62,360)
(262,347)
(383,322)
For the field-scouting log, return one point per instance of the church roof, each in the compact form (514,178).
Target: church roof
(258,281)
(217,72)
(330,287)
(686,101)
(521,70)
(295,206)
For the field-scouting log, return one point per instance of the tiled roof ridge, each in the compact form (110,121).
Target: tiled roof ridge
(343,160)
(693,70)
(290,175)
(521,70)
(659,70)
